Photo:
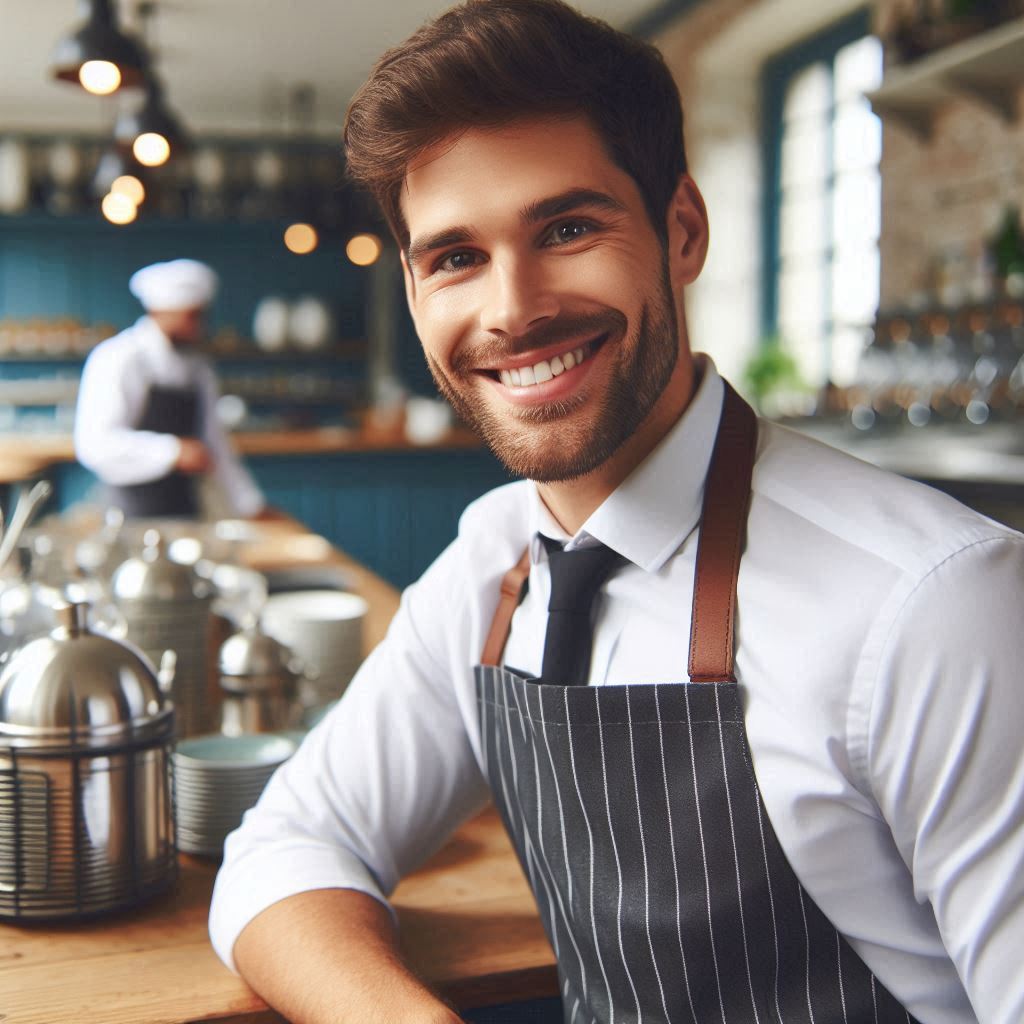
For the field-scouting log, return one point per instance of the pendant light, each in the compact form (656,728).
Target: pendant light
(118,181)
(115,162)
(152,131)
(98,56)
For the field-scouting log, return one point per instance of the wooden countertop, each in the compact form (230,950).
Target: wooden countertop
(23,456)
(469,925)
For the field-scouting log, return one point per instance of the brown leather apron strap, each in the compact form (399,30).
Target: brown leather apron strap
(501,624)
(722,533)
(723,530)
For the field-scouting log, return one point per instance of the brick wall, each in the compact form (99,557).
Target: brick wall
(943,195)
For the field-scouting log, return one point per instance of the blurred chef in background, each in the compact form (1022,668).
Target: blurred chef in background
(146,422)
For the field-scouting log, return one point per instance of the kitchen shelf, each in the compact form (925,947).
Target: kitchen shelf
(987,69)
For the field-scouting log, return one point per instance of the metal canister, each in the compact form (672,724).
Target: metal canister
(86,810)
(167,607)
(259,679)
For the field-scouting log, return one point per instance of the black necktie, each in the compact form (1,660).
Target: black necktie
(576,577)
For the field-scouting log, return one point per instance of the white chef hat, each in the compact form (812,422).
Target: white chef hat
(179,284)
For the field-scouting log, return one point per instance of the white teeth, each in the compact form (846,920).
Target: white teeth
(539,373)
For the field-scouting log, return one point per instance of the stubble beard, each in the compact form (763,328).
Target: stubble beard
(552,443)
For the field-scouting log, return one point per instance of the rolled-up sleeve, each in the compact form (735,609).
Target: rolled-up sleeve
(946,762)
(376,787)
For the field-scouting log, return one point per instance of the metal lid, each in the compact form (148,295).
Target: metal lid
(249,657)
(78,688)
(153,576)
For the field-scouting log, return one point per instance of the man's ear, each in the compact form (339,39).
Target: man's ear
(688,232)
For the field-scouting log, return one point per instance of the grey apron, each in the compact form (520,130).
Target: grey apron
(637,818)
(167,411)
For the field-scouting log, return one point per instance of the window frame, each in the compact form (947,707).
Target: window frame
(776,76)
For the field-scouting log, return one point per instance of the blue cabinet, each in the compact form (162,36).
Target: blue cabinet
(393,511)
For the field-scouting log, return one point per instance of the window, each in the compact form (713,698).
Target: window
(823,199)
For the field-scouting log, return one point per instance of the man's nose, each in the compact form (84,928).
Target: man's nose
(518,296)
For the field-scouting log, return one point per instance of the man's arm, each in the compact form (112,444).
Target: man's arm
(371,793)
(946,763)
(348,969)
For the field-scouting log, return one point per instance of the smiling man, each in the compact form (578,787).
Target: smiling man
(747,706)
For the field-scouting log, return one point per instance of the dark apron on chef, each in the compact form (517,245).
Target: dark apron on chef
(638,821)
(167,411)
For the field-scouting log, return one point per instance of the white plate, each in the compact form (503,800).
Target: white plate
(315,606)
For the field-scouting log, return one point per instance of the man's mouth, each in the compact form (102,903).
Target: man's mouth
(547,369)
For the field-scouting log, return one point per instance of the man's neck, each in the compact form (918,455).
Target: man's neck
(572,502)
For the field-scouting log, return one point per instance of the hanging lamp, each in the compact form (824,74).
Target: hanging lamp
(98,56)
(115,162)
(153,131)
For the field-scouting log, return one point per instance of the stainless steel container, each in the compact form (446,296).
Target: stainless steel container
(86,810)
(167,607)
(259,679)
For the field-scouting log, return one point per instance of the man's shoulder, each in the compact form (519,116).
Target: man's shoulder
(864,509)
(121,348)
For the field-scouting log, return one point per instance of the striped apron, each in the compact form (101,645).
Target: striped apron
(637,818)
(167,411)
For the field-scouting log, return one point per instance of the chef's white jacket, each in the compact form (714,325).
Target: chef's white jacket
(111,398)
(880,653)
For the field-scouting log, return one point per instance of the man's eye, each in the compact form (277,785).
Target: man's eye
(569,231)
(456,261)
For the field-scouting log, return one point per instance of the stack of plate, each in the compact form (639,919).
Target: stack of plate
(217,779)
(325,629)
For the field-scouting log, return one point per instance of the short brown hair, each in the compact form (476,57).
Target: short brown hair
(490,62)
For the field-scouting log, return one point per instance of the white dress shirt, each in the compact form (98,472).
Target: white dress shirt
(116,379)
(879,660)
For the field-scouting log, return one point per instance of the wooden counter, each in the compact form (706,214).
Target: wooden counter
(24,456)
(468,921)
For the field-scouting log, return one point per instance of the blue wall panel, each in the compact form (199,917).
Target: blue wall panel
(80,267)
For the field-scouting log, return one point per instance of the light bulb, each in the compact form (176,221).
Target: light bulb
(100,77)
(130,186)
(300,238)
(151,149)
(363,250)
(118,208)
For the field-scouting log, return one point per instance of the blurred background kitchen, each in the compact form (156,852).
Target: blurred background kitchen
(863,167)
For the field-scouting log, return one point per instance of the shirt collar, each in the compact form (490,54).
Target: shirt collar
(649,515)
(152,337)
(160,350)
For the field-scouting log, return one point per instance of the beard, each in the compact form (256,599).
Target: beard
(559,441)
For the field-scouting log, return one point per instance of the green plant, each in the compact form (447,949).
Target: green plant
(772,370)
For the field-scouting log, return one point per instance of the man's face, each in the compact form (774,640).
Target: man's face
(183,327)
(540,292)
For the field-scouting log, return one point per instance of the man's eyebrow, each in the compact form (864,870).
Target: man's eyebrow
(566,202)
(424,246)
